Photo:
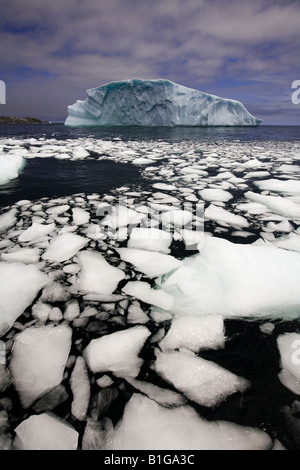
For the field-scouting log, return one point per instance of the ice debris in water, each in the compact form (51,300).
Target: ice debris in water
(235,280)
(45,431)
(197,377)
(289,349)
(153,264)
(146,425)
(102,354)
(156,103)
(20,284)
(64,247)
(10,167)
(38,360)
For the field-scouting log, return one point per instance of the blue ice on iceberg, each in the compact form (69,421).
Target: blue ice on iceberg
(156,103)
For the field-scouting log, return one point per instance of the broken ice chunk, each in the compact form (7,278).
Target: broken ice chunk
(152,239)
(8,219)
(38,360)
(289,348)
(195,333)
(36,231)
(153,264)
(45,432)
(117,352)
(80,386)
(202,381)
(64,247)
(143,291)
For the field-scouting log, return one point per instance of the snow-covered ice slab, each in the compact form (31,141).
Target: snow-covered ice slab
(38,360)
(152,239)
(45,432)
(10,167)
(97,276)
(202,381)
(156,103)
(145,425)
(117,352)
(8,219)
(236,280)
(289,349)
(36,231)
(151,263)
(19,286)
(64,247)
(195,333)
(221,215)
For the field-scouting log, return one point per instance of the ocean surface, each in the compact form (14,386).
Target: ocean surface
(161,169)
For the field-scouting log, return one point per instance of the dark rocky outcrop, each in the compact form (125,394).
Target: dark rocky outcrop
(24,120)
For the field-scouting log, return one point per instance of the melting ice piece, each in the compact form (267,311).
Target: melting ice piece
(289,348)
(202,381)
(117,352)
(36,231)
(80,386)
(236,280)
(121,216)
(195,333)
(277,204)
(214,194)
(156,103)
(143,291)
(45,431)
(145,425)
(64,247)
(19,286)
(152,239)
(80,216)
(152,264)
(10,167)
(8,219)
(222,215)
(38,360)
(96,275)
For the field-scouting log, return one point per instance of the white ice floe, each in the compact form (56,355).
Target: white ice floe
(45,431)
(80,216)
(23,255)
(221,215)
(214,194)
(19,286)
(163,396)
(143,291)
(277,204)
(289,349)
(117,352)
(80,386)
(236,280)
(8,219)
(58,210)
(195,333)
(146,425)
(10,167)
(288,242)
(151,263)
(35,232)
(64,247)
(121,216)
(152,239)
(38,360)
(97,276)
(202,381)
(291,187)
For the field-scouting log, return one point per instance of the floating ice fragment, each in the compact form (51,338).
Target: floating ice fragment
(195,333)
(96,275)
(80,216)
(64,247)
(143,291)
(224,216)
(146,425)
(10,167)
(38,360)
(151,263)
(80,386)
(23,255)
(45,432)
(117,352)
(8,219)
(19,286)
(214,194)
(152,239)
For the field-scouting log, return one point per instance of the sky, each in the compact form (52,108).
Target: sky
(247,50)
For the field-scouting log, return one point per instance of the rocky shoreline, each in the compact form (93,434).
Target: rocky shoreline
(24,120)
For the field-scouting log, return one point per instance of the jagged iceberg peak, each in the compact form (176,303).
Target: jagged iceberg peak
(156,103)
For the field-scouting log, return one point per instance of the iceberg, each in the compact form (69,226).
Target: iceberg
(155,103)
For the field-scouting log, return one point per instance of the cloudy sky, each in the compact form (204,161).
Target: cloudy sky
(52,51)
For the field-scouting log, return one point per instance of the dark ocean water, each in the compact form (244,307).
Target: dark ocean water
(210,134)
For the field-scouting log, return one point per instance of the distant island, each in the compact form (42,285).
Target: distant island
(24,120)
